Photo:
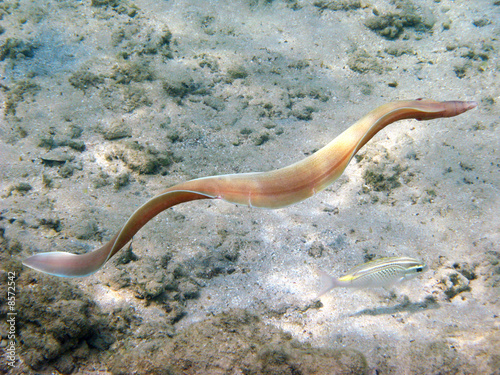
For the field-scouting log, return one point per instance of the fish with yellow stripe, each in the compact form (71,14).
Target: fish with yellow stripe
(381,272)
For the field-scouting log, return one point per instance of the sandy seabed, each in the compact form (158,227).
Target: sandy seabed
(107,102)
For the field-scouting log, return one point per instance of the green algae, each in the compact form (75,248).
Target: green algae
(117,130)
(236,72)
(362,62)
(136,42)
(381,180)
(136,71)
(139,158)
(119,6)
(84,80)
(208,61)
(477,58)
(14,48)
(303,112)
(392,25)
(135,97)
(262,138)
(23,90)
(336,5)
(180,86)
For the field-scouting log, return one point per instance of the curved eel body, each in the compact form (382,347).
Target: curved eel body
(274,189)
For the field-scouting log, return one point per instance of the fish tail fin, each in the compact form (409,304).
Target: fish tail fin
(327,282)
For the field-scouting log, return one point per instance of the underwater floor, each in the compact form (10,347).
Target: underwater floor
(106,103)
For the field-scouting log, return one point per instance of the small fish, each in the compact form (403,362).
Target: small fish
(381,272)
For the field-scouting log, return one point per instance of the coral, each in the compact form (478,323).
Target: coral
(83,80)
(392,25)
(21,91)
(338,4)
(362,62)
(137,71)
(236,342)
(14,48)
(139,158)
(54,321)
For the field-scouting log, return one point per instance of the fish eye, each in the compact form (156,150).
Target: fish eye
(419,269)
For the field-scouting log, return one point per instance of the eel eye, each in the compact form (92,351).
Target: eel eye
(419,269)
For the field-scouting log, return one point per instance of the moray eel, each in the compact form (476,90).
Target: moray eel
(273,189)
